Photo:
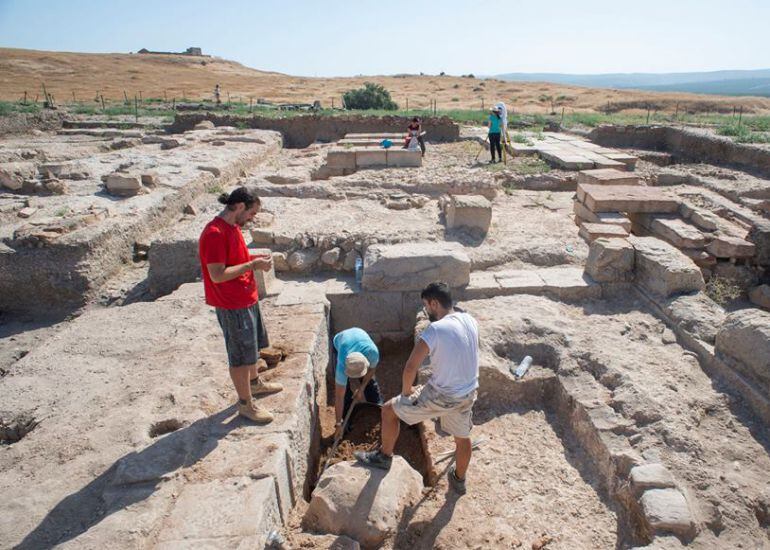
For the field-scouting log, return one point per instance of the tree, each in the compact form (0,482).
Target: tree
(371,96)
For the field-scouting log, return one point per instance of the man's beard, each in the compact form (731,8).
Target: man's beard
(432,317)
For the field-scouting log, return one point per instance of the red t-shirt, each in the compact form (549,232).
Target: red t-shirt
(222,243)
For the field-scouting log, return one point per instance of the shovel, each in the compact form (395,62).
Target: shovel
(337,439)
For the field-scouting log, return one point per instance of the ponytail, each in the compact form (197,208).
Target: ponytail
(241,194)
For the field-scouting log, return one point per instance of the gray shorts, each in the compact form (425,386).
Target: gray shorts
(427,403)
(245,334)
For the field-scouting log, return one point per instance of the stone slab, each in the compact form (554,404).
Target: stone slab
(663,269)
(592,231)
(610,260)
(626,198)
(666,511)
(411,266)
(341,158)
(651,476)
(471,211)
(671,229)
(731,247)
(607,176)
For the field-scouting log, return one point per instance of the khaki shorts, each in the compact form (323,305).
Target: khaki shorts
(426,403)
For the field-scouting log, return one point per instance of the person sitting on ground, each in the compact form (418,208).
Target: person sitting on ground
(230,287)
(452,342)
(494,135)
(357,358)
(415,130)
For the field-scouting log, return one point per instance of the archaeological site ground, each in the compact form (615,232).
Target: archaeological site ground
(630,261)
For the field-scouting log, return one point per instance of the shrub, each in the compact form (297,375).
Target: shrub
(371,96)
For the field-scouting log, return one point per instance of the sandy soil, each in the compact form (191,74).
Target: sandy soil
(195,78)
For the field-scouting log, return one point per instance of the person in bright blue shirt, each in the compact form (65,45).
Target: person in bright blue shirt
(357,358)
(494,135)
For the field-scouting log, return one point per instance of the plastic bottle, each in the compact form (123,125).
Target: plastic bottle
(359,270)
(523,367)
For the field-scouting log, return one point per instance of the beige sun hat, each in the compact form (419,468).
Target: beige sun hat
(356,365)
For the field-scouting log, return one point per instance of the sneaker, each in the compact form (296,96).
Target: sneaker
(255,413)
(258,387)
(375,459)
(455,482)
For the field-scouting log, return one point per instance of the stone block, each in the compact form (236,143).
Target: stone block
(745,338)
(704,220)
(261,236)
(610,260)
(760,236)
(760,296)
(651,476)
(672,229)
(374,312)
(303,260)
(607,176)
(124,185)
(365,504)
(696,314)
(520,281)
(473,211)
(663,269)
(412,266)
(13,174)
(402,158)
(568,283)
(666,511)
(64,170)
(731,247)
(629,160)
(626,198)
(592,231)
(341,158)
(585,215)
(235,512)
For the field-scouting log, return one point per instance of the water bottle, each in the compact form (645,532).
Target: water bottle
(275,540)
(359,271)
(523,367)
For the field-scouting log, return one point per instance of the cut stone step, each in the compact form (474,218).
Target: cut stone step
(731,247)
(672,229)
(666,511)
(585,215)
(607,176)
(593,231)
(626,198)
(663,269)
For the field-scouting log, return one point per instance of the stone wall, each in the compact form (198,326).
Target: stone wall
(686,144)
(301,131)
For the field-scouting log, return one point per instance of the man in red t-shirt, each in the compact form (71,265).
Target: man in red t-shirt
(228,280)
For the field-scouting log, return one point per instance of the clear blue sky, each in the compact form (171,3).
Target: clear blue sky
(333,38)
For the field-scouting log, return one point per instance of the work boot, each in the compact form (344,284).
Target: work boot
(258,387)
(375,459)
(255,413)
(455,482)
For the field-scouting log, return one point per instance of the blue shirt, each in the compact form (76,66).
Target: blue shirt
(348,341)
(494,124)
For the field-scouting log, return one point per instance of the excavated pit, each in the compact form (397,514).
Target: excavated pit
(364,430)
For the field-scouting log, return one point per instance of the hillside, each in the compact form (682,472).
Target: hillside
(177,76)
(752,82)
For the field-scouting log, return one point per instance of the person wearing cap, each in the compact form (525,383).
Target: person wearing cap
(494,134)
(357,358)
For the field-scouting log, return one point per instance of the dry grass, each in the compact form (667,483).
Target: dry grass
(158,76)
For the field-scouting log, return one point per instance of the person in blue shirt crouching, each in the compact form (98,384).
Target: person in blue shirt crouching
(357,359)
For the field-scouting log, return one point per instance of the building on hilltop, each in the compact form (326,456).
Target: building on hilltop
(188,51)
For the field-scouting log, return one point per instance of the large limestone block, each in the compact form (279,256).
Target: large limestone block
(411,266)
(731,247)
(673,230)
(473,211)
(13,174)
(610,260)
(607,176)
(592,231)
(626,198)
(696,314)
(123,184)
(663,269)
(65,170)
(745,337)
(341,158)
(760,296)
(365,504)
(760,236)
(651,476)
(666,511)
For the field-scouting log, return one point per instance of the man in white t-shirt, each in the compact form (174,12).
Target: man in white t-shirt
(452,341)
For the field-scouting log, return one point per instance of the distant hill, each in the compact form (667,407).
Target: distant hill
(752,82)
(87,76)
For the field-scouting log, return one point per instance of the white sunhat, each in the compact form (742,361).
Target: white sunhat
(356,365)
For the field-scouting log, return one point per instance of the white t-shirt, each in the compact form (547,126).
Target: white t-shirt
(454,354)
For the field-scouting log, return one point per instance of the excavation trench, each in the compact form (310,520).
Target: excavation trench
(537,473)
